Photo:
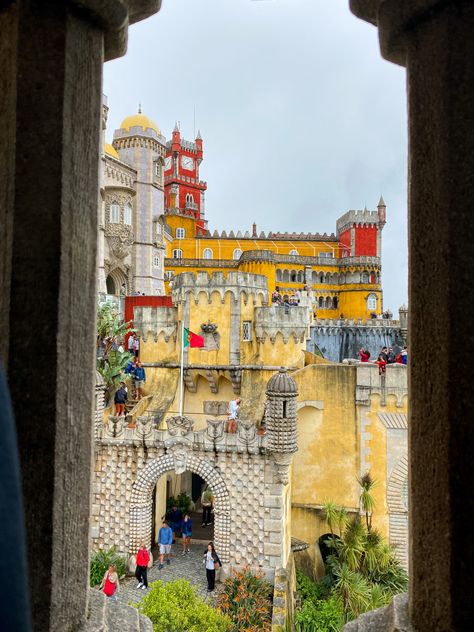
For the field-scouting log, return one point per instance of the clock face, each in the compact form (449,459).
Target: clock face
(168,162)
(187,162)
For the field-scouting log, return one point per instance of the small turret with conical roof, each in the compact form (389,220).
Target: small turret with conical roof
(281,420)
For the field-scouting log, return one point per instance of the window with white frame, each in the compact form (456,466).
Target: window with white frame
(247,330)
(372,301)
(114,213)
(177,253)
(156,261)
(127,214)
(207,254)
(237,253)
(293,252)
(325,254)
(180,233)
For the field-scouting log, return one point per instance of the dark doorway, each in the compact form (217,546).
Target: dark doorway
(110,285)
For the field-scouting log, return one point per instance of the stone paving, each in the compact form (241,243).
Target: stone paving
(189,566)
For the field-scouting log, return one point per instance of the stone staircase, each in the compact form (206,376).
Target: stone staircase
(106,615)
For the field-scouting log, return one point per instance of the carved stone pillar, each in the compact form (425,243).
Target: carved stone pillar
(434,40)
(51,57)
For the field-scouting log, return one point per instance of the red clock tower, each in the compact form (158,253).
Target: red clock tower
(184,192)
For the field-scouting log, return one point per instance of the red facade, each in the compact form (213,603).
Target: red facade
(366,241)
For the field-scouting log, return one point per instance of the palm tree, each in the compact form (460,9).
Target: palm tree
(367,500)
(330,511)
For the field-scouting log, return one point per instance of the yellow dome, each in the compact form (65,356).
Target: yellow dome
(111,151)
(139,120)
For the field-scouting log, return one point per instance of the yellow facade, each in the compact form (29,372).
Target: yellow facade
(290,264)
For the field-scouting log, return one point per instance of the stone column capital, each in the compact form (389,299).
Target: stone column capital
(114,18)
(395,20)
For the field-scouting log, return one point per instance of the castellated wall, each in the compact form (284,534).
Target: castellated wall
(250,521)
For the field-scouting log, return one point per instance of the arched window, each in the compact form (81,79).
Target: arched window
(364,278)
(177,253)
(321,278)
(127,214)
(237,254)
(278,273)
(328,302)
(207,254)
(299,277)
(293,252)
(114,213)
(314,277)
(110,285)
(286,276)
(321,302)
(334,302)
(180,233)
(372,301)
(293,276)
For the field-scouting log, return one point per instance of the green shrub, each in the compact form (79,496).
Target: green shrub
(246,598)
(100,562)
(326,615)
(175,607)
(182,501)
(308,589)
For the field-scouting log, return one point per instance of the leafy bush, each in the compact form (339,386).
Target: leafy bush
(175,607)
(182,501)
(246,598)
(325,615)
(100,562)
(308,589)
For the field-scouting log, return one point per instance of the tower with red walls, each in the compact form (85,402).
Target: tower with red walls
(360,232)
(184,191)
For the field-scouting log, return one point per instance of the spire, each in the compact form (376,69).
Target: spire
(199,137)
(254,230)
(366,209)
(381,202)
(139,108)
(176,128)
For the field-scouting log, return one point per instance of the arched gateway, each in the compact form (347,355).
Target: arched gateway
(178,460)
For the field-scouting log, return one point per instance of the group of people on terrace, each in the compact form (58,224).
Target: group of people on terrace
(285,300)
(386,356)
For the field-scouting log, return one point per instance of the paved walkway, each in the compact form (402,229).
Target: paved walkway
(189,566)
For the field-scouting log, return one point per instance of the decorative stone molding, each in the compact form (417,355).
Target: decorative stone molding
(236,283)
(179,426)
(270,321)
(156,321)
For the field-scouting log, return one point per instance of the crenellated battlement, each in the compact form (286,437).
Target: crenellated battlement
(155,321)
(365,217)
(235,283)
(270,235)
(289,322)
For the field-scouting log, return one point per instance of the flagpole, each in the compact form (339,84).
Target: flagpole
(181,372)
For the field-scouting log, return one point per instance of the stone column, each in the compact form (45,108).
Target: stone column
(434,39)
(51,57)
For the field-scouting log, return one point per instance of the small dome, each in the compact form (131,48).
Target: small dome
(111,151)
(139,120)
(282,384)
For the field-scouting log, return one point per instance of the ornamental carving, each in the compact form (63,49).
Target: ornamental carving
(215,429)
(120,244)
(179,426)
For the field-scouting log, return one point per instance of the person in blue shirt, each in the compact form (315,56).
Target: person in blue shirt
(140,379)
(187,531)
(175,518)
(165,540)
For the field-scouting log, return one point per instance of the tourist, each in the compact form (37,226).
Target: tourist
(390,356)
(143,559)
(187,531)
(130,368)
(120,399)
(140,379)
(130,344)
(373,315)
(175,518)
(212,562)
(207,500)
(364,354)
(110,583)
(232,415)
(136,345)
(165,540)
(382,362)
(404,354)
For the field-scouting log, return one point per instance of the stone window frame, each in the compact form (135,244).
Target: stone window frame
(207,253)
(156,261)
(177,253)
(237,254)
(127,214)
(114,212)
(371,301)
(247,330)
(180,233)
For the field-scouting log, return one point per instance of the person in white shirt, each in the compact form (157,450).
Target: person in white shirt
(212,562)
(233,412)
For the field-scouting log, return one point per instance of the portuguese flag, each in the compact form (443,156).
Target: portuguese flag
(192,340)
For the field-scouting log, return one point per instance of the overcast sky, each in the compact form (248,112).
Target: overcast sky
(300,116)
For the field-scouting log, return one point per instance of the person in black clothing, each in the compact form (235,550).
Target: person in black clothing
(390,356)
(212,562)
(120,399)
(175,518)
(384,354)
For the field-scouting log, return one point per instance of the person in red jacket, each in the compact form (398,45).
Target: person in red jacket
(110,583)
(364,355)
(143,558)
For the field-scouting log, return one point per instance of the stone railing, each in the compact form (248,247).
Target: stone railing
(179,430)
(202,263)
(286,320)
(237,283)
(359,322)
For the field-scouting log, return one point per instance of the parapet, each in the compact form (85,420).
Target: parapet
(155,321)
(352,217)
(291,321)
(237,283)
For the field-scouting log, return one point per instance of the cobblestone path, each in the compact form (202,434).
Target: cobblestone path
(189,566)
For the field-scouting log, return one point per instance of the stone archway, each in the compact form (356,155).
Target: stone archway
(180,459)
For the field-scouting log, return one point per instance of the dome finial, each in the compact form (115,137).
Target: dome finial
(139,108)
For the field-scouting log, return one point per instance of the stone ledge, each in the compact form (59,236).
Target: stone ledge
(391,618)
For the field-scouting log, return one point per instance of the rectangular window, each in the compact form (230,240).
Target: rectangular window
(247,330)
(156,261)
(325,255)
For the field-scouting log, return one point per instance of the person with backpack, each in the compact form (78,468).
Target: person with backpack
(110,583)
(143,559)
(212,562)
